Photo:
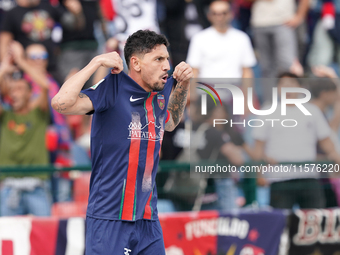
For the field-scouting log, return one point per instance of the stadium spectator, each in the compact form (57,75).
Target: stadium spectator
(5,7)
(273,24)
(325,94)
(276,143)
(22,142)
(139,15)
(243,14)
(324,90)
(77,49)
(325,31)
(221,51)
(58,136)
(180,21)
(33,22)
(218,145)
(34,63)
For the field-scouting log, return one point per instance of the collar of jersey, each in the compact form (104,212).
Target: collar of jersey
(137,86)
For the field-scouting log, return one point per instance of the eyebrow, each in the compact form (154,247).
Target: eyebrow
(162,57)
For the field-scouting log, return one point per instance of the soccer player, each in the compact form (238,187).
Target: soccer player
(130,114)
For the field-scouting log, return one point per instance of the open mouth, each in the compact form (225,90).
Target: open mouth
(165,77)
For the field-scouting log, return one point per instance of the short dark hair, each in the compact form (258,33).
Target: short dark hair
(287,75)
(319,85)
(291,76)
(142,42)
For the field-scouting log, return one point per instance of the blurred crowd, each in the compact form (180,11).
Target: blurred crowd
(42,43)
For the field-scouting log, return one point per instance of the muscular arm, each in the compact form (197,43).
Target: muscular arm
(177,102)
(69,100)
(178,99)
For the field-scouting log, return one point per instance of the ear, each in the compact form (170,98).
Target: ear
(135,63)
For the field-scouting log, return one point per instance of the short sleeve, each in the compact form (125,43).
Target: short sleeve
(194,53)
(167,116)
(103,94)
(248,57)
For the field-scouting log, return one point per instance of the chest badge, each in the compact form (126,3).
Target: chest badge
(161,101)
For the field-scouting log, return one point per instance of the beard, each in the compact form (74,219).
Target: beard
(158,86)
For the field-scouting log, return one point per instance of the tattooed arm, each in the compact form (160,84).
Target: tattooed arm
(69,100)
(178,99)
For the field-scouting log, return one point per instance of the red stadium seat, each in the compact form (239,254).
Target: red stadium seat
(69,209)
(81,188)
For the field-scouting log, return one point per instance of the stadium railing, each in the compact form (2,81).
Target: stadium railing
(168,170)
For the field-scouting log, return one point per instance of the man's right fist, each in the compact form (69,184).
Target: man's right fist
(112,60)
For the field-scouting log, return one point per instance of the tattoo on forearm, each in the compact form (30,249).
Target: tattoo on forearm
(177,103)
(170,125)
(82,95)
(60,106)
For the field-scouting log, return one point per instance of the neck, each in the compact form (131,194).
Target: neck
(221,29)
(138,79)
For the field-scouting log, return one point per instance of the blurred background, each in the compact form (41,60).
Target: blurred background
(45,161)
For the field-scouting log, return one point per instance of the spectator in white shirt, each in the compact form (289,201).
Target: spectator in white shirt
(221,51)
(273,24)
(276,143)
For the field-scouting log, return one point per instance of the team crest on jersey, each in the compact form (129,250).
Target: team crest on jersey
(161,101)
(97,84)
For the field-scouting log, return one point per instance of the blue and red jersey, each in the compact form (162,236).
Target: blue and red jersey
(126,138)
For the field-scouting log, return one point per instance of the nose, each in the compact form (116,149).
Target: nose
(166,66)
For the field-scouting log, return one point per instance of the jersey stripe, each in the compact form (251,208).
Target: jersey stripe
(147,178)
(135,206)
(148,209)
(122,201)
(130,190)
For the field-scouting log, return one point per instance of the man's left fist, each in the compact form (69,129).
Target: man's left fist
(183,73)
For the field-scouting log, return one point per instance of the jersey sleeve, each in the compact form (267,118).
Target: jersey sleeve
(103,94)
(167,116)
